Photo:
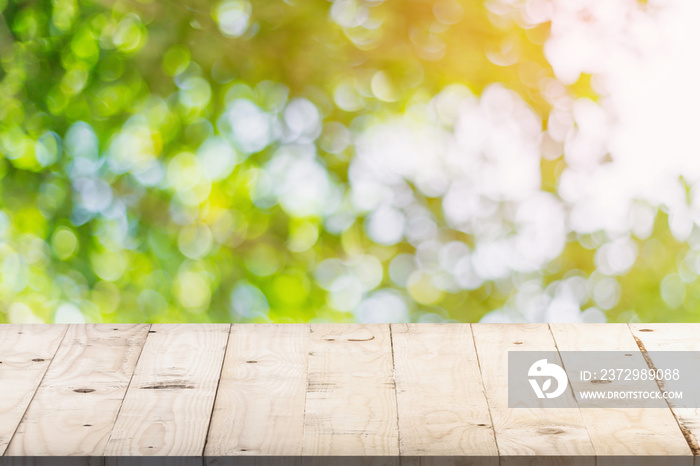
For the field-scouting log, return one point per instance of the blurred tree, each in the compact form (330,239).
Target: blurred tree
(151,155)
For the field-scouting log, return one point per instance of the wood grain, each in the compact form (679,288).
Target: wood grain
(428,394)
(622,431)
(350,399)
(25,354)
(674,337)
(77,403)
(168,405)
(442,407)
(260,406)
(541,436)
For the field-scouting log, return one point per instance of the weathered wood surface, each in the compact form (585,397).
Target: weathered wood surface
(445,413)
(557,434)
(168,405)
(259,409)
(623,431)
(350,396)
(426,393)
(674,337)
(25,353)
(75,407)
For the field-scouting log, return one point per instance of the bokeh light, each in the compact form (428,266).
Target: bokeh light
(351,160)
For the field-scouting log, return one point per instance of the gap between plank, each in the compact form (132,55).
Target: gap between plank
(585,425)
(486,398)
(145,340)
(686,434)
(306,390)
(53,356)
(396,392)
(216,392)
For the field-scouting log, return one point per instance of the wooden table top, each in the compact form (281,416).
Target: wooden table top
(290,390)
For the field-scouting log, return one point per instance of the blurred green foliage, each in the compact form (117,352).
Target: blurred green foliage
(137,138)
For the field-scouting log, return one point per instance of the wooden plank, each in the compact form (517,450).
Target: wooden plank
(442,407)
(350,399)
(674,337)
(25,353)
(350,406)
(259,409)
(75,407)
(622,431)
(527,436)
(168,405)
